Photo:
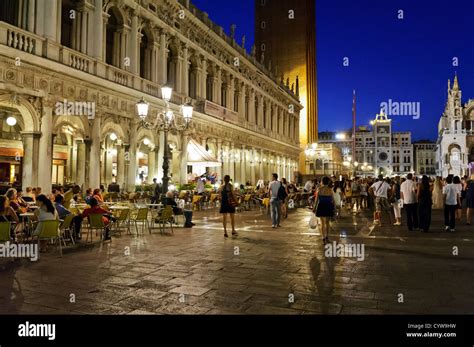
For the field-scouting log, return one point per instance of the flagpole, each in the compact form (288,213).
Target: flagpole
(354,128)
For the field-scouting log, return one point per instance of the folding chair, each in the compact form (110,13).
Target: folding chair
(123,218)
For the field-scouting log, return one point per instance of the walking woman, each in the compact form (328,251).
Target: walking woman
(457,183)
(228,203)
(396,197)
(438,202)
(325,207)
(424,204)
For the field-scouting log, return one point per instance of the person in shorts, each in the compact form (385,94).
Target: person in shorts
(381,190)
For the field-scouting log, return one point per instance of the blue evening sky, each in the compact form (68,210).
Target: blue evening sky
(408,60)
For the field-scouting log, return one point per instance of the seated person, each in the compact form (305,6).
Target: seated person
(97,195)
(19,198)
(113,188)
(188,214)
(29,196)
(88,196)
(7,214)
(46,211)
(63,212)
(106,216)
(11,194)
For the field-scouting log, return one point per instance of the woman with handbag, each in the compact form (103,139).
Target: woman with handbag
(324,207)
(228,204)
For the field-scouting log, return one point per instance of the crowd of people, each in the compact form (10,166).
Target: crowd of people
(387,197)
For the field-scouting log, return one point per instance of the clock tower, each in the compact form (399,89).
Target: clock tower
(382,127)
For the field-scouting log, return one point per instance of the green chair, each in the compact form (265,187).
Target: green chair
(166,217)
(5,231)
(49,230)
(123,218)
(96,223)
(142,216)
(67,228)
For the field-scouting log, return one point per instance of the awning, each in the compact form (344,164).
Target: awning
(197,155)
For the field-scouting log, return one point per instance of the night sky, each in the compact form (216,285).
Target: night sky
(407,60)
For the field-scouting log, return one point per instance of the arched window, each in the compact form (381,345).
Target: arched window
(113,39)
(192,80)
(67,23)
(246,107)
(224,94)
(146,55)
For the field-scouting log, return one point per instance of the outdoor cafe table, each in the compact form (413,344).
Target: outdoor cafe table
(118,207)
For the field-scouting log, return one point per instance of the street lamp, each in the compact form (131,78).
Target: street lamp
(165,121)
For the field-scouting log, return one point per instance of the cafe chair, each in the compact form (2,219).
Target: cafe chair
(141,216)
(122,220)
(5,231)
(165,217)
(67,228)
(49,230)
(96,223)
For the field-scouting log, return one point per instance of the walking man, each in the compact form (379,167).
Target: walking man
(452,199)
(275,202)
(408,195)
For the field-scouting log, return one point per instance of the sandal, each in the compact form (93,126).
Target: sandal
(234,233)
(225,235)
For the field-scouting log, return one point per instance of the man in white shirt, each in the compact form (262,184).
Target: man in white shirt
(308,186)
(381,191)
(408,195)
(200,186)
(275,203)
(452,198)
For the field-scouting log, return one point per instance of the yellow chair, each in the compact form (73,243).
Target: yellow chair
(182,194)
(165,217)
(265,205)
(96,223)
(49,230)
(247,201)
(123,218)
(197,201)
(5,231)
(214,198)
(66,226)
(141,216)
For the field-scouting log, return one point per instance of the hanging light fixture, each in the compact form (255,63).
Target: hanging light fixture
(113,136)
(11,121)
(142,108)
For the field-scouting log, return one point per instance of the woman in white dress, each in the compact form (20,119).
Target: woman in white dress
(438,202)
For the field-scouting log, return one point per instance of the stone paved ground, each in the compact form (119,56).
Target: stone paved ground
(197,271)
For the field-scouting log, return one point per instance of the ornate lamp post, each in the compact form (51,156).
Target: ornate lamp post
(165,121)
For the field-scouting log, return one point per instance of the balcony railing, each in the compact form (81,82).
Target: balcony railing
(22,40)
(77,60)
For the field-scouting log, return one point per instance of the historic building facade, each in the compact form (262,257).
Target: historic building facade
(378,149)
(455,145)
(71,73)
(424,157)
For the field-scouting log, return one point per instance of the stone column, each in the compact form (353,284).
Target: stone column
(253,181)
(241,101)
(134,45)
(95,37)
(132,157)
(94,157)
(121,166)
(29,175)
(108,166)
(45,158)
(155,63)
(252,114)
(219,169)
(232,162)
(203,79)
(162,56)
(178,78)
(31,16)
(259,115)
(183,164)
(230,93)
(185,72)
(84,15)
(261,171)
(50,19)
(81,163)
(217,85)
(243,164)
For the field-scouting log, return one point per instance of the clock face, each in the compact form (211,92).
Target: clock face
(383,156)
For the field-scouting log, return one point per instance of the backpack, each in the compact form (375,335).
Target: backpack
(282,192)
